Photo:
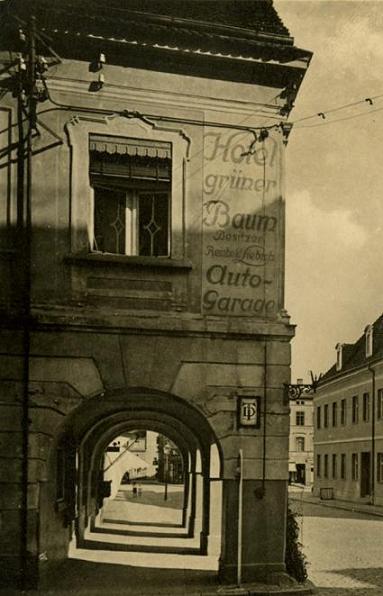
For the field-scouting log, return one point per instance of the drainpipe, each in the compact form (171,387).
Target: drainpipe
(372,371)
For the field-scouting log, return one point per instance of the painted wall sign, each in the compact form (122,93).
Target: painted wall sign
(249,411)
(242,225)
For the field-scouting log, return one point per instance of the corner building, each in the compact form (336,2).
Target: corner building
(348,432)
(157,270)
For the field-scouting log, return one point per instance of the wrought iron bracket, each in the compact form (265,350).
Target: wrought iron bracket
(295,391)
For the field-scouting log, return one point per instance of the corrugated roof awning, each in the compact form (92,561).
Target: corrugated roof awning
(130,146)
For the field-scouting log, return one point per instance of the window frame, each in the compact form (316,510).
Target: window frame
(318,465)
(300,418)
(300,444)
(325,465)
(325,416)
(355,409)
(334,413)
(131,221)
(79,129)
(366,406)
(343,411)
(318,417)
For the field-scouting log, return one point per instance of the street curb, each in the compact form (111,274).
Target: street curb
(333,503)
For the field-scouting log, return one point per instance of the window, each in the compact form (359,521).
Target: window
(355,409)
(379,462)
(343,466)
(334,465)
(300,443)
(325,471)
(343,412)
(318,466)
(354,466)
(380,403)
(300,418)
(334,413)
(325,416)
(144,168)
(131,181)
(318,417)
(366,407)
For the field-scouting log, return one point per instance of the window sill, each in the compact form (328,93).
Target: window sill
(110,259)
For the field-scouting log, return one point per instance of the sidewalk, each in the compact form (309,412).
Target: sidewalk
(302,495)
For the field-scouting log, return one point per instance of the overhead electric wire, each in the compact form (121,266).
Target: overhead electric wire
(323,114)
(351,117)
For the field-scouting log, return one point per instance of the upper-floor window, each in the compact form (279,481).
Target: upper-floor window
(343,412)
(325,471)
(318,417)
(366,407)
(369,334)
(355,409)
(380,403)
(325,416)
(300,443)
(128,187)
(318,465)
(300,418)
(131,181)
(334,413)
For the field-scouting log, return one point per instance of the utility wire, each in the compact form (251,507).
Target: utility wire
(352,117)
(323,114)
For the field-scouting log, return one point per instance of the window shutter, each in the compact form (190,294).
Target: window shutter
(129,158)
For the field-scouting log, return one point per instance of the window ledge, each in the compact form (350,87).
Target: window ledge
(110,259)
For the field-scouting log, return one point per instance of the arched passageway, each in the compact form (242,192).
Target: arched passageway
(93,500)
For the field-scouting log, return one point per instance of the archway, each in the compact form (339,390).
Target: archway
(86,435)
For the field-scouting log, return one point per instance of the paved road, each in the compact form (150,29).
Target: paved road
(344,550)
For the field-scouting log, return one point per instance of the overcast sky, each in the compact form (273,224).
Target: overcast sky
(334,194)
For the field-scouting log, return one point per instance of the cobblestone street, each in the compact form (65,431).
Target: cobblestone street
(344,550)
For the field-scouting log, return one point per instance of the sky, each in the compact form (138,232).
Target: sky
(334,186)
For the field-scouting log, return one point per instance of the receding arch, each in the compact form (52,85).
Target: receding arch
(95,423)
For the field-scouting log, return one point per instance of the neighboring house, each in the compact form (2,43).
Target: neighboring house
(121,465)
(142,265)
(348,434)
(301,439)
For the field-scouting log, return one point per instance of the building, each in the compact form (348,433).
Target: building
(348,435)
(301,469)
(142,261)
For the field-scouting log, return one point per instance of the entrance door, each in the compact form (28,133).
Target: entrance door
(365,474)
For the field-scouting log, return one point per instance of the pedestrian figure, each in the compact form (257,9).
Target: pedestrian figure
(139,490)
(134,489)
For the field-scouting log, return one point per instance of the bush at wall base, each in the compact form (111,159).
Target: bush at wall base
(295,560)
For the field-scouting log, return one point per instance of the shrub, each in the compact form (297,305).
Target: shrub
(295,560)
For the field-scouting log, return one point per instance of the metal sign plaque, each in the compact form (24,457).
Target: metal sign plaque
(249,411)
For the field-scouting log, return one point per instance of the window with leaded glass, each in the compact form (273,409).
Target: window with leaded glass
(131,181)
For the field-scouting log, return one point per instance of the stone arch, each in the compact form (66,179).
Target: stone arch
(89,428)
